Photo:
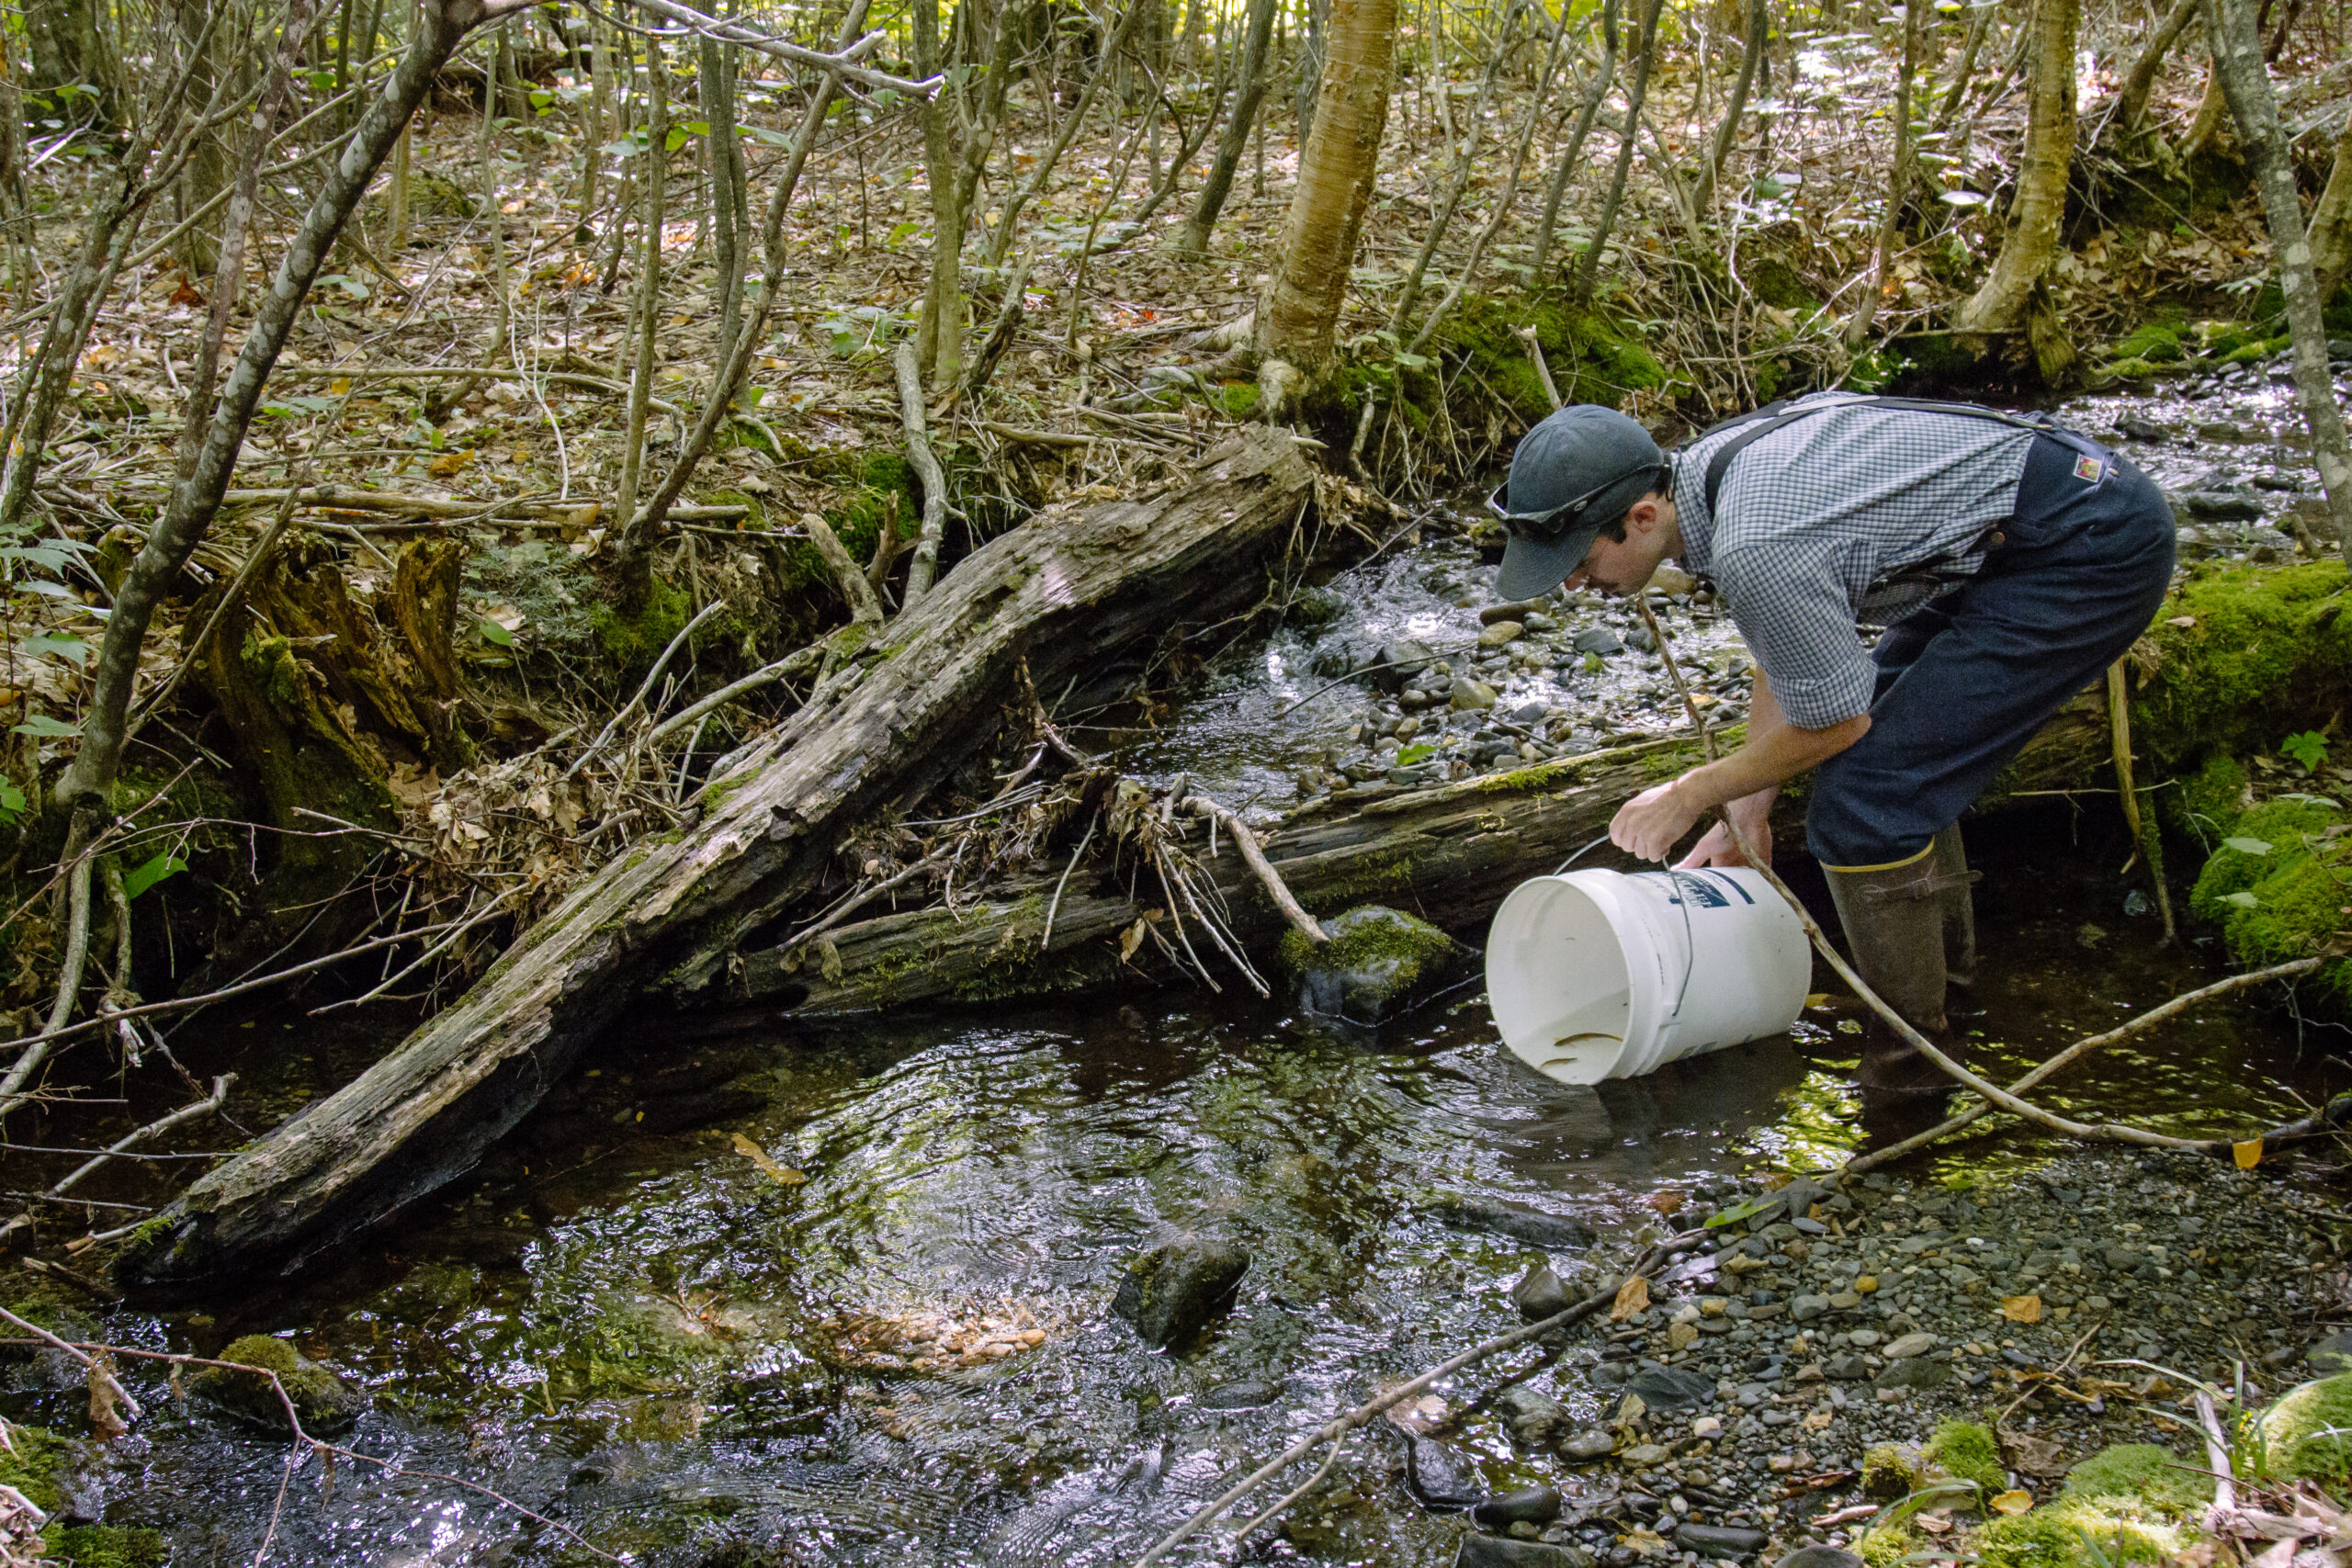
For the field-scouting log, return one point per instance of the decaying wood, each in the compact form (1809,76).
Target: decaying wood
(1068,593)
(1447,853)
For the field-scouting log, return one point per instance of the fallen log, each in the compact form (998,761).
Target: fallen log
(1448,853)
(1068,593)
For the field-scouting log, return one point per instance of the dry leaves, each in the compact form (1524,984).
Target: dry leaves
(1633,1296)
(766,1163)
(945,1338)
(2021,1309)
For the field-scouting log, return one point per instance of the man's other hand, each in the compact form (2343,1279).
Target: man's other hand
(1717,849)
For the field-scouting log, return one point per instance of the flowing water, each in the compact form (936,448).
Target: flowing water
(867,1322)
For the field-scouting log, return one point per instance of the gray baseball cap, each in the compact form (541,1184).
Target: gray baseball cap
(1572,476)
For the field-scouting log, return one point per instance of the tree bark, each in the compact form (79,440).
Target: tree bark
(2238,61)
(2132,103)
(441,25)
(1192,237)
(2039,202)
(1858,325)
(1463,161)
(1066,594)
(1301,317)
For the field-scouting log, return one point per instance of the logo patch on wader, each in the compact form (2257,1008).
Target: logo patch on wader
(2089,469)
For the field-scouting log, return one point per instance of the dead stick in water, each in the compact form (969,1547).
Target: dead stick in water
(1999,1098)
(2119,723)
(1255,854)
(1339,1425)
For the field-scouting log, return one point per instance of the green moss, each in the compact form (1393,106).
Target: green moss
(1885,1546)
(2204,804)
(110,1546)
(1779,284)
(1234,399)
(1594,355)
(2156,340)
(2128,370)
(2279,883)
(1890,1470)
(2265,650)
(632,640)
(1970,1452)
(2060,1536)
(2142,1471)
(32,1467)
(2308,1432)
(321,1400)
(1375,959)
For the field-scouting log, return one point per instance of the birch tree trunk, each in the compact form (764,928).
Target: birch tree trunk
(2039,202)
(1301,318)
(2238,60)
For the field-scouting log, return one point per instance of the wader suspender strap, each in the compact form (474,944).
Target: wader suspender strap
(1769,418)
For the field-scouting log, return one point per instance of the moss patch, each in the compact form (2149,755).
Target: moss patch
(1378,959)
(323,1402)
(2061,1534)
(1889,1471)
(1885,1546)
(2262,650)
(2279,882)
(2142,1471)
(1970,1452)
(2308,1432)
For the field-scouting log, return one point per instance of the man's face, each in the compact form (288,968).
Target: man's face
(1622,567)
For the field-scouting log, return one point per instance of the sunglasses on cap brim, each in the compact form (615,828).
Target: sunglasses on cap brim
(1555,520)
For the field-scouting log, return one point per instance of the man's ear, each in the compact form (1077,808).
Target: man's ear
(1644,515)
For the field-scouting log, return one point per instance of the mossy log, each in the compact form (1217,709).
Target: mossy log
(1447,853)
(1070,592)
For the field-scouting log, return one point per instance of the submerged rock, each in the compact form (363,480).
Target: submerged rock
(1378,963)
(1501,1552)
(1441,1477)
(1534,1418)
(1180,1285)
(323,1402)
(1540,1294)
(1672,1388)
(1530,1505)
(1521,1222)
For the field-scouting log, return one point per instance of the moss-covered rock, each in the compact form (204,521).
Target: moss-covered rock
(1967,1450)
(1377,964)
(2308,1432)
(2144,1471)
(323,1402)
(2276,884)
(29,1464)
(1890,1470)
(1885,1546)
(2246,654)
(2204,804)
(112,1546)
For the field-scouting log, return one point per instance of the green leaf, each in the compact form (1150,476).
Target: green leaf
(68,648)
(1419,751)
(141,878)
(762,133)
(2246,846)
(2242,901)
(492,632)
(12,800)
(1739,1211)
(2309,749)
(693,128)
(46,728)
(676,138)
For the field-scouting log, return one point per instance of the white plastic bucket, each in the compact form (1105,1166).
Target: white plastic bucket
(1599,974)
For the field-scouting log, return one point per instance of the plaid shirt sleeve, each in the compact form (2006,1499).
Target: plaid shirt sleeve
(1806,642)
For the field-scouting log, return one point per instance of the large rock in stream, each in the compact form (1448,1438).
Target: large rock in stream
(1379,963)
(323,1402)
(1180,1285)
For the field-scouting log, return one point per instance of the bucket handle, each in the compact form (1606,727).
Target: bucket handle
(1690,945)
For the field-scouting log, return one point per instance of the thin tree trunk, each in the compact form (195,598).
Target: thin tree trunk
(718,112)
(1001,239)
(2238,61)
(634,567)
(2331,220)
(1978,26)
(441,25)
(1760,37)
(494,281)
(1566,169)
(1191,239)
(2132,103)
(2039,202)
(1589,266)
(1336,170)
(1858,325)
(1463,160)
(595,114)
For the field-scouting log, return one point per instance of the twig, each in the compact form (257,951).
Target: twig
(2119,718)
(1255,854)
(629,710)
(1542,370)
(1293,1495)
(783,669)
(1046,940)
(138,1135)
(2217,1459)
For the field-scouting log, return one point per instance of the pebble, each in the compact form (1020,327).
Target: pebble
(1441,1477)
(1501,634)
(1718,1540)
(2221,506)
(1590,1444)
(1672,1388)
(1533,1504)
(1597,639)
(1819,1557)
(1500,1552)
(1911,1345)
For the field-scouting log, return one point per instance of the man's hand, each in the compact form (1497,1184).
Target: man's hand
(1648,826)
(1754,815)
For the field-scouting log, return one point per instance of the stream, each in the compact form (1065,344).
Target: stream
(865,1320)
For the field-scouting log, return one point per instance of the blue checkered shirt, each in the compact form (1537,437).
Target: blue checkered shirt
(1860,514)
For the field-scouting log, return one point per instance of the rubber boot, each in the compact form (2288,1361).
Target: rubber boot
(1895,920)
(1955,898)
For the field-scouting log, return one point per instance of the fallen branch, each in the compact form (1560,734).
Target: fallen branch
(1247,841)
(803,662)
(605,384)
(130,1140)
(842,64)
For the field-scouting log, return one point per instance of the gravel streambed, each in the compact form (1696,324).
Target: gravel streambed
(1738,1414)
